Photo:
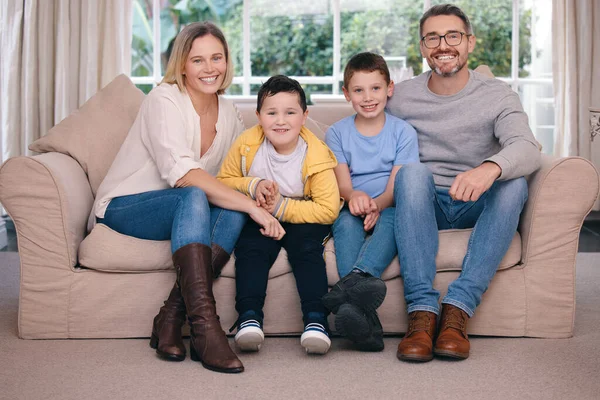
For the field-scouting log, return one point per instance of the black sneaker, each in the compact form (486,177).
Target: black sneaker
(373,342)
(363,329)
(358,288)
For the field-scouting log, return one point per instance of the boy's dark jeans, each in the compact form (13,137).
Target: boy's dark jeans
(255,254)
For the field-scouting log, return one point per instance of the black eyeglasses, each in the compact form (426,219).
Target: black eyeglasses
(451,38)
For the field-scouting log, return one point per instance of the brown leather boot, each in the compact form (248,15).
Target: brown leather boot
(166,329)
(219,259)
(208,343)
(453,341)
(417,344)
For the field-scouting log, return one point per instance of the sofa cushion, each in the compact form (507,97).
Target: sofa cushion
(93,134)
(98,252)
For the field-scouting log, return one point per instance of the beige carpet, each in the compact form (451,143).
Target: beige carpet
(499,368)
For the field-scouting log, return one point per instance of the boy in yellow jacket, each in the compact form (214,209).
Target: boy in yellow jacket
(288,171)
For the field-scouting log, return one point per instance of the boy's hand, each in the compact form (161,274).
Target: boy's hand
(266,193)
(361,204)
(370,220)
(270,205)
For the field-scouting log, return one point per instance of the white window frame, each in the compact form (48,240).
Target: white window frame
(248,79)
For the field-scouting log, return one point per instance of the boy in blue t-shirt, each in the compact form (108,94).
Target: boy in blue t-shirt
(370,147)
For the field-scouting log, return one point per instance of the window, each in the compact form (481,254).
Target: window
(311,40)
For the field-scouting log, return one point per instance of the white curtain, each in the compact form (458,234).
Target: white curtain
(55,55)
(576,74)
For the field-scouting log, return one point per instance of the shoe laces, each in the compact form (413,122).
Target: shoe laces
(246,317)
(419,321)
(314,326)
(454,318)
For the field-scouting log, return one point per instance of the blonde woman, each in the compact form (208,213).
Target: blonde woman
(161,186)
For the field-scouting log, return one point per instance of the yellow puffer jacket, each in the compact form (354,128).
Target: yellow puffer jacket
(321,203)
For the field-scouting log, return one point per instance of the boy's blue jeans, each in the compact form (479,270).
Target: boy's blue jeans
(182,215)
(354,250)
(422,209)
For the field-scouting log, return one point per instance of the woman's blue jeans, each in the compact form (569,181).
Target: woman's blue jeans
(182,215)
(422,209)
(353,249)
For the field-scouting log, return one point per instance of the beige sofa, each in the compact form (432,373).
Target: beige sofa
(106,285)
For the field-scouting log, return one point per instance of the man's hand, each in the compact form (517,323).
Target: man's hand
(470,185)
(361,204)
(267,193)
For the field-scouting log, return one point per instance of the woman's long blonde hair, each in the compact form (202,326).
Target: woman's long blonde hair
(182,48)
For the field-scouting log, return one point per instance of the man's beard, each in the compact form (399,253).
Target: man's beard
(447,74)
(450,73)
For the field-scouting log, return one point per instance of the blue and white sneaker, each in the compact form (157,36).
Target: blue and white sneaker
(315,338)
(249,336)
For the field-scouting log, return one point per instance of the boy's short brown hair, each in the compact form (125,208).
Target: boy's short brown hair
(277,84)
(366,62)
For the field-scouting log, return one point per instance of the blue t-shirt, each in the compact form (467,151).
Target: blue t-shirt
(370,159)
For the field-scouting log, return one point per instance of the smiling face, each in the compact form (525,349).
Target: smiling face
(368,93)
(205,66)
(445,60)
(281,118)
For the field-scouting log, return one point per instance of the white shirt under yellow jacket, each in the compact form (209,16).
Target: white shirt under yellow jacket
(321,203)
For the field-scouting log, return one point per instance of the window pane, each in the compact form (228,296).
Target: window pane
(309,89)
(234,89)
(291,38)
(141,43)
(538,102)
(145,87)
(227,14)
(315,89)
(386,27)
(492,26)
(536,39)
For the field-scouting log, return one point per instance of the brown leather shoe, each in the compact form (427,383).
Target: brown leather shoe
(166,328)
(453,341)
(417,343)
(208,343)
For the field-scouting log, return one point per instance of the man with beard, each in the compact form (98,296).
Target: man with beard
(475,146)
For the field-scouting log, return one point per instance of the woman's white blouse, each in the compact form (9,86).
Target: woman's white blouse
(163,144)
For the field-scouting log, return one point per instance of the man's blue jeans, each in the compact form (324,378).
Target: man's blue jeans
(422,209)
(182,215)
(354,250)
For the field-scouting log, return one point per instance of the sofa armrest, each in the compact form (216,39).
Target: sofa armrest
(561,193)
(49,198)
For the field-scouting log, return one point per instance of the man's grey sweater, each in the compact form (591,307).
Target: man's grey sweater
(484,121)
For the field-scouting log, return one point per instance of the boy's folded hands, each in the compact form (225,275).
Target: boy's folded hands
(370,220)
(267,195)
(361,204)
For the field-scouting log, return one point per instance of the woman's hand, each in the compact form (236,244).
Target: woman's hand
(270,226)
